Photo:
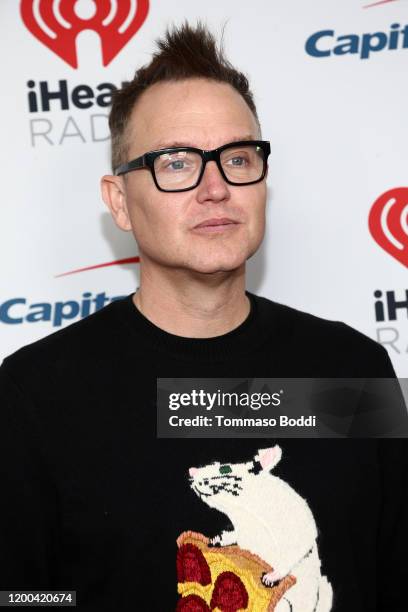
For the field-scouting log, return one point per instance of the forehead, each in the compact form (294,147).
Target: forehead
(195,112)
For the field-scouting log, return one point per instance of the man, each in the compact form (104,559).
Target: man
(93,500)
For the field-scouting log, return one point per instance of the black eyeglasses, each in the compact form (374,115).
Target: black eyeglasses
(182,168)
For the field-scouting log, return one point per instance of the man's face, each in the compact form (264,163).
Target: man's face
(203,114)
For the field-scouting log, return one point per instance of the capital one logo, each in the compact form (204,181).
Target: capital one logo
(388,223)
(57,23)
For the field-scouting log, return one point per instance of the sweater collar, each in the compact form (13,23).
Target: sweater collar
(241,339)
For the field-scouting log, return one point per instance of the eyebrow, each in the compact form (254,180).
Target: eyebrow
(169,144)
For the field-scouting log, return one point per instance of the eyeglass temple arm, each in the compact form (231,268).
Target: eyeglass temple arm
(135,164)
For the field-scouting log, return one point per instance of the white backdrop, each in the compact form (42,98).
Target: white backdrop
(334,110)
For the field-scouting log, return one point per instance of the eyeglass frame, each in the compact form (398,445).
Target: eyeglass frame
(147,161)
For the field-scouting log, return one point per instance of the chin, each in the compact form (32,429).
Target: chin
(213,267)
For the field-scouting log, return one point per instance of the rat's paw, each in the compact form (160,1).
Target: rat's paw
(271,578)
(215,542)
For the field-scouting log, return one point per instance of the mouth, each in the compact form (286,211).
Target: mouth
(216,225)
(200,493)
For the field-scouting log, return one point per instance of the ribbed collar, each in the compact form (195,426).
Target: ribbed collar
(243,339)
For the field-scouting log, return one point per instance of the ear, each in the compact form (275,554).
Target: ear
(269,457)
(114,195)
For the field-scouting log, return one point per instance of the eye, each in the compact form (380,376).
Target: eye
(225,469)
(238,161)
(178,164)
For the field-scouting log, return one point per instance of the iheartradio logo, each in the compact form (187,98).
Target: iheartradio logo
(388,223)
(57,23)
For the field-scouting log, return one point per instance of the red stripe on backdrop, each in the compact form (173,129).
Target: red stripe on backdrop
(117,262)
(379,2)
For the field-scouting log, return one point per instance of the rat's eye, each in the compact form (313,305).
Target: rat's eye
(225,469)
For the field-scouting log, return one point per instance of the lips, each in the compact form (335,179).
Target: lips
(214,222)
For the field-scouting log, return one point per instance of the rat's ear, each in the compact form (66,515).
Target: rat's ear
(269,457)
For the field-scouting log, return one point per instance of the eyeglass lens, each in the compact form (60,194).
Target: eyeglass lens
(180,170)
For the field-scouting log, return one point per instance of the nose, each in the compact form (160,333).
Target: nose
(212,186)
(192,471)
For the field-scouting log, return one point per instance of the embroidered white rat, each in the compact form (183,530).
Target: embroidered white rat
(270,520)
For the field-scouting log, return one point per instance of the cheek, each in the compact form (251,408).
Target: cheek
(153,214)
(254,207)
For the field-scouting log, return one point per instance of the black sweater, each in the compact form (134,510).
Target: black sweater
(93,501)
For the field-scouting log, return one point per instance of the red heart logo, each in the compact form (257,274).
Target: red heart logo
(57,25)
(388,223)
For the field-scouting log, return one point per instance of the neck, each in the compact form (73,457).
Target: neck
(193,305)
